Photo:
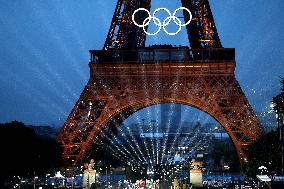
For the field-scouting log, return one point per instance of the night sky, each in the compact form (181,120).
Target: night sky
(44,51)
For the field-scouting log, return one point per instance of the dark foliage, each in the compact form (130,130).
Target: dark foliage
(265,152)
(24,153)
(224,153)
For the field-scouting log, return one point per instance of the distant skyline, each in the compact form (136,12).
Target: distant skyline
(44,51)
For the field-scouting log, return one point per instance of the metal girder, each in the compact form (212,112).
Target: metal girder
(117,95)
(202,31)
(123,34)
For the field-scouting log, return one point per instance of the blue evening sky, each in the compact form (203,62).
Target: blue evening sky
(44,51)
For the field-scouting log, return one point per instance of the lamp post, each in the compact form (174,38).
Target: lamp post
(66,175)
(106,177)
(34,180)
(73,176)
(278,108)
(35,177)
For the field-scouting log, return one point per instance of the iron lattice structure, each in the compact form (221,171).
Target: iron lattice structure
(126,76)
(123,34)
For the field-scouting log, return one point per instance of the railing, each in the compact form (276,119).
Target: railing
(175,55)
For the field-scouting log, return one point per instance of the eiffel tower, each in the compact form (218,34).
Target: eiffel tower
(126,76)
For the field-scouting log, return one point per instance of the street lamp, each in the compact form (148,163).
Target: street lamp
(73,175)
(278,107)
(35,178)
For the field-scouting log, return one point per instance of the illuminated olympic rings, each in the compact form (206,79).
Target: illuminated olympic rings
(158,22)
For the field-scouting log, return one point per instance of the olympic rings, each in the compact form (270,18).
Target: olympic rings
(158,22)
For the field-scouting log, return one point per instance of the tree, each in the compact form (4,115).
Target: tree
(24,152)
(264,152)
(268,150)
(224,152)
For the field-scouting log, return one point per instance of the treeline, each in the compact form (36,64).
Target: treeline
(267,151)
(24,153)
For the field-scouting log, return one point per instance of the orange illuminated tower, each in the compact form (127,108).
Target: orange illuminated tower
(126,76)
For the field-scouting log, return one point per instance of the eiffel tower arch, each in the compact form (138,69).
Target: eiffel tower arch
(126,76)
